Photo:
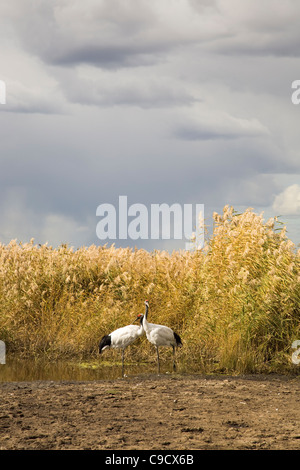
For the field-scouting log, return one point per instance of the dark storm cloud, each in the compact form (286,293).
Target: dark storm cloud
(132,33)
(182,101)
(110,34)
(203,132)
(108,57)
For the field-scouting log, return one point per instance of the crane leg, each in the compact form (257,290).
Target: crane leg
(158,366)
(174,363)
(122,362)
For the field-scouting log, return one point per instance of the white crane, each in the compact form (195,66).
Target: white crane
(160,335)
(122,337)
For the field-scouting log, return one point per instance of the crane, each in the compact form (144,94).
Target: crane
(160,335)
(122,337)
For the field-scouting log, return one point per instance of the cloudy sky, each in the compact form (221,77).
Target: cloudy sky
(164,101)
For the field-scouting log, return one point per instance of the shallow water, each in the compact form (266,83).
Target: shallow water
(23,370)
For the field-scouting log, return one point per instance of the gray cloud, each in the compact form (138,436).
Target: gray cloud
(109,34)
(256,31)
(105,89)
(216,125)
(131,33)
(22,99)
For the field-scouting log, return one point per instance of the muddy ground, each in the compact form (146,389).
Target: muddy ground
(152,412)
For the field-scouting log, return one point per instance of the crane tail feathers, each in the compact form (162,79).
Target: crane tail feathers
(104,343)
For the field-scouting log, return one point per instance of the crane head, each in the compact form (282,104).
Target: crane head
(139,317)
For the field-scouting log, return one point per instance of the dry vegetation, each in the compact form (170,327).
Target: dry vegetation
(236,303)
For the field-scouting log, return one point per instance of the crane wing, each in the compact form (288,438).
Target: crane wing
(124,336)
(160,335)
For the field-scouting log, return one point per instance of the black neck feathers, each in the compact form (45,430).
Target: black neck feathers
(146,309)
(104,343)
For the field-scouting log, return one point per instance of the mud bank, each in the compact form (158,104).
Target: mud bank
(152,412)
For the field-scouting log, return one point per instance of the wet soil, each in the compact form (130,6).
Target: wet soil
(152,412)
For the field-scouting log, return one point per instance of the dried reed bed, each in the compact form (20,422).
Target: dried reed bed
(235,303)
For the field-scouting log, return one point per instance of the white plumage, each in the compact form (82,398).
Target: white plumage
(160,335)
(121,338)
